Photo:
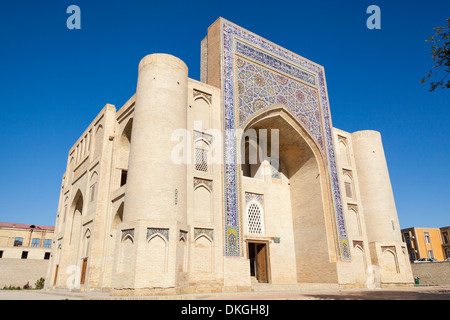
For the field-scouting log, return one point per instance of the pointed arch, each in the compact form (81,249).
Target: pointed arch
(124,145)
(202,157)
(389,261)
(117,219)
(359,259)
(254,218)
(128,234)
(157,253)
(182,255)
(203,203)
(349,184)
(306,172)
(76,210)
(94,175)
(202,255)
(93,186)
(125,253)
(123,153)
(354,220)
(157,234)
(343,152)
(99,133)
(202,113)
(86,243)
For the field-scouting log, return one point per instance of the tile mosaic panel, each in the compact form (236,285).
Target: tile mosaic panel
(259,198)
(208,183)
(202,135)
(263,75)
(208,232)
(259,88)
(163,232)
(207,96)
(128,232)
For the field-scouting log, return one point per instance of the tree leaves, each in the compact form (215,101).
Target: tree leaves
(440,53)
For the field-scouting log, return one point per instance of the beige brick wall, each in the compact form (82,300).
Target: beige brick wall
(17,272)
(433,273)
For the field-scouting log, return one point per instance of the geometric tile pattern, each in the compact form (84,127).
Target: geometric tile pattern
(207,96)
(207,183)
(202,135)
(163,232)
(259,88)
(257,74)
(128,232)
(200,231)
(259,198)
(358,243)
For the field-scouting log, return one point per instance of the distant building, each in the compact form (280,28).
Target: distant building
(427,243)
(445,232)
(25,252)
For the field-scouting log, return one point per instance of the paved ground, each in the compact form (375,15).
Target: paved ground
(412,293)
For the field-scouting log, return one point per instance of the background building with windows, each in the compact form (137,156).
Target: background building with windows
(164,195)
(25,252)
(427,243)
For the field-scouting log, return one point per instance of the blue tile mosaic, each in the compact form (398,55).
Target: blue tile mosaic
(256,74)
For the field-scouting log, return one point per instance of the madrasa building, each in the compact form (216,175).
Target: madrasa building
(233,183)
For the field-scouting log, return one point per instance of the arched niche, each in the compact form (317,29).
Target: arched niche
(202,113)
(306,171)
(123,152)
(203,204)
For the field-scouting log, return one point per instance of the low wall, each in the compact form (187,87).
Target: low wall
(432,273)
(17,272)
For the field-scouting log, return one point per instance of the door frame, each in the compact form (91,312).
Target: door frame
(267,255)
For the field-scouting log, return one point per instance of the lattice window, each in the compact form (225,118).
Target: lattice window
(201,159)
(255,219)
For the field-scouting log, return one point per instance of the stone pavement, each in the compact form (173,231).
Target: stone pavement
(397,293)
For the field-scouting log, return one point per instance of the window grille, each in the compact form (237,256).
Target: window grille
(201,159)
(254,219)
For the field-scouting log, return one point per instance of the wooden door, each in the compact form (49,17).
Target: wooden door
(83,271)
(56,274)
(261,263)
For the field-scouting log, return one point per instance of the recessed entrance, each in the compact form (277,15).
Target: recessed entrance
(257,255)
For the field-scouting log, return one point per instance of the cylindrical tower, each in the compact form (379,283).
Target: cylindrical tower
(375,187)
(156,185)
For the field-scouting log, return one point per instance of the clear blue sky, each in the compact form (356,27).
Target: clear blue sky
(54,81)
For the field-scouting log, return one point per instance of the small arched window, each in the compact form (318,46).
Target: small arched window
(201,156)
(255,223)
(348,184)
